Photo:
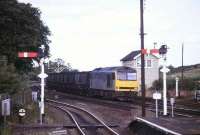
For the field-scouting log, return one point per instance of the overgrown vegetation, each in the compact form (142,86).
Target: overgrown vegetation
(188,84)
(21,30)
(11,81)
(191,78)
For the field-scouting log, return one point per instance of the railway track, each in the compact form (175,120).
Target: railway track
(179,109)
(80,116)
(111,103)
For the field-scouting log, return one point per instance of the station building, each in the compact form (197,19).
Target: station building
(133,60)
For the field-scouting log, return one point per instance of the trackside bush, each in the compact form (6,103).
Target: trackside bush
(188,84)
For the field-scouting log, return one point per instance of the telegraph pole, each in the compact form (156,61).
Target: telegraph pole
(142,57)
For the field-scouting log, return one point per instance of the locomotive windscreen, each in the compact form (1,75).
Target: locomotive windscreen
(126,76)
(131,76)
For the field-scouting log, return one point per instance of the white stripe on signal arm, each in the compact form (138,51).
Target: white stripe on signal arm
(25,54)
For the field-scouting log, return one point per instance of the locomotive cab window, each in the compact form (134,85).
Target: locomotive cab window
(121,76)
(131,76)
(126,76)
(109,80)
(113,76)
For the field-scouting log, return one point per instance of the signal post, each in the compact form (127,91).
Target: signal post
(42,75)
(163,53)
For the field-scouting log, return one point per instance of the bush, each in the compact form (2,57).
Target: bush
(11,81)
(188,84)
(157,85)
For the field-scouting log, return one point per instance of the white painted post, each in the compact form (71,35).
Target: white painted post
(42,90)
(164,93)
(42,75)
(156,108)
(177,79)
(164,70)
(156,96)
(172,101)
(172,110)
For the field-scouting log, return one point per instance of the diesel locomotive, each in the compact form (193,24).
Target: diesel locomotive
(108,82)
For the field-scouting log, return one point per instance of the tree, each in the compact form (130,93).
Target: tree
(171,68)
(157,85)
(10,80)
(21,30)
(58,65)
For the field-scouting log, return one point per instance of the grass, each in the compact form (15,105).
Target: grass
(50,117)
(5,130)
(32,113)
(31,117)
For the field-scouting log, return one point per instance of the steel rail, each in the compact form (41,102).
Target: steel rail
(157,126)
(95,117)
(181,111)
(177,114)
(178,107)
(72,117)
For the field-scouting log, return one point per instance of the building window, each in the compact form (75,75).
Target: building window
(138,63)
(149,64)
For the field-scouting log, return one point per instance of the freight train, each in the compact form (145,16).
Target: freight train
(108,82)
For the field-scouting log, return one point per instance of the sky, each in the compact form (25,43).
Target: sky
(98,33)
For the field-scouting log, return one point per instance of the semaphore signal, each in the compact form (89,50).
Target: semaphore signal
(27,54)
(150,51)
(40,54)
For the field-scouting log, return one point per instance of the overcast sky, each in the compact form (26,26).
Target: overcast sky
(98,33)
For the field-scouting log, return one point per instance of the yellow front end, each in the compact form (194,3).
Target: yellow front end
(126,85)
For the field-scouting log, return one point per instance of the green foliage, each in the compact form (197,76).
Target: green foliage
(21,30)
(188,84)
(59,65)
(5,130)
(33,75)
(11,81)
(171,68)
(157,85)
